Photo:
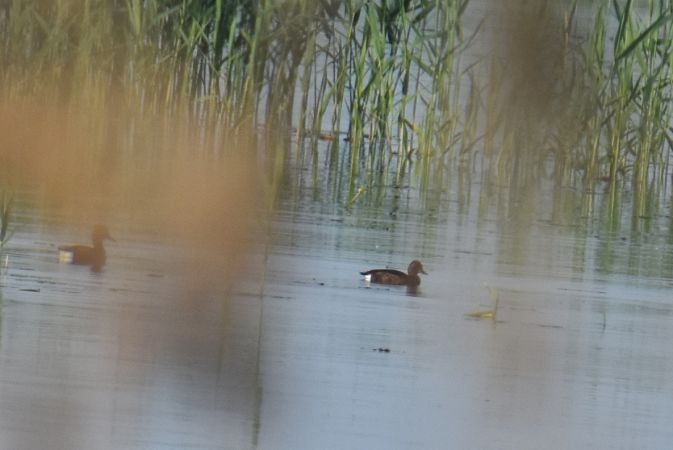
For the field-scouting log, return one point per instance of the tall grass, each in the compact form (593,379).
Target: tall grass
(390,76)
(597,110)
(626,97)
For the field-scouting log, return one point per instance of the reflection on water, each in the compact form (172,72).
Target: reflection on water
(301,353)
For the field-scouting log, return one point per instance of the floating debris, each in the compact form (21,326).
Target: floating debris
(360,191)
(487,313)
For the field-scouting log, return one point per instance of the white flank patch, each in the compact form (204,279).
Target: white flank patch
(65,257)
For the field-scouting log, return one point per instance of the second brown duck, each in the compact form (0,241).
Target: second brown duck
(396,277)
(85,255)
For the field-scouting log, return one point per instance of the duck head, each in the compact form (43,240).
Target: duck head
(415,267)
(100,233)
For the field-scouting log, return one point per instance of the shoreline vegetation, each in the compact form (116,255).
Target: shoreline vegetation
(575,89)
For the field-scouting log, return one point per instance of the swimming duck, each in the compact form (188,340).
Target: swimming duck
(85,255)
(392,276)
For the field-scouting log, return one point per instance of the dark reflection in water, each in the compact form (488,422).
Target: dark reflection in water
(413,291)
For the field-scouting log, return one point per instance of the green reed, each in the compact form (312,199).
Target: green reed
(6,206)
(632,97)
(605,114)
(388,75)
(237,62)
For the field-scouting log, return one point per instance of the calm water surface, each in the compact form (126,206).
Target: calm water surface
(299,353)
(305,355)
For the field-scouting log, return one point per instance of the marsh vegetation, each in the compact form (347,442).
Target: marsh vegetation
(576,91)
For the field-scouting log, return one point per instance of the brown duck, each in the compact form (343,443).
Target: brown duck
(392,276)
(85,255)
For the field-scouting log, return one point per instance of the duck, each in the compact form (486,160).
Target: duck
(85,255)
(397,277)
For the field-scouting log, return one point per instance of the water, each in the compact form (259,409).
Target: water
(296,351)
(302,354)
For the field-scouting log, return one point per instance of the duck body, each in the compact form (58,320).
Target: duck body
(85,255)
(396,277)
(81,255)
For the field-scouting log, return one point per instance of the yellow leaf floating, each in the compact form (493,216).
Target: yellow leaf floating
(360,191)
(488,313)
